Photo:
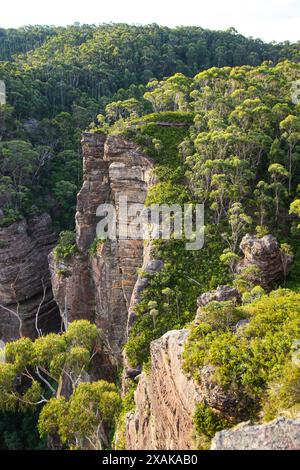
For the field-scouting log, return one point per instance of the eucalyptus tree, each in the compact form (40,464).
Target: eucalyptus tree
(278,175)
(54,372)
(290,128)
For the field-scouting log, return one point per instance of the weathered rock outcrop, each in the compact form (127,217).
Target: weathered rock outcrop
(221,294)
(25,286)
(165,400)
(281,434)
(265,254)
(72,288)
(99,287)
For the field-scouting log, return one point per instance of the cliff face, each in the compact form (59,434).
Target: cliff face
(99,287)
(26,298)
(165,400)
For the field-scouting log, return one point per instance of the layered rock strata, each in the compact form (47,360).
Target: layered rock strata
(99,286)
(165,400)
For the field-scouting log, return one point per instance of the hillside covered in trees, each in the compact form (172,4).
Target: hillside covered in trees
(59,79)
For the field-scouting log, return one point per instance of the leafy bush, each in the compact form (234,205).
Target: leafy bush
(221,315)
(128,405)
(66,246)
(283,395)
(255,357)
(9,217)
(95,246)
(207,421)
(167,193)
(90,408)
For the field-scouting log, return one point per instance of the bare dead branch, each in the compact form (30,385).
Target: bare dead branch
(39,332)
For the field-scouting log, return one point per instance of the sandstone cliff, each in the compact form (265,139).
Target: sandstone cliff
(165,400)
(99,287)
(26,300)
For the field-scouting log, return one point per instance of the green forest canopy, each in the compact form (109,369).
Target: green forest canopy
(58,79)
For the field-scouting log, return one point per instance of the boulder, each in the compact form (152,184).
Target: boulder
(265,254)
(221,294)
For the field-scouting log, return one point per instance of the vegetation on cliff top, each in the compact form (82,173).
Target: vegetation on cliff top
(255,357)
(235,156)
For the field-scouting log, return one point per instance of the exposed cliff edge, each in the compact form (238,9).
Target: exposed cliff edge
(26,299)
(166,397)
(99,287)
(165,400)
(281,434)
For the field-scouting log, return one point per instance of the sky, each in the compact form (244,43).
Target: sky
(270,20)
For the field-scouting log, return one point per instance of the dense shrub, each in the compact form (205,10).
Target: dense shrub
(186,274)
(66,246)
(207,421)
(255,356)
